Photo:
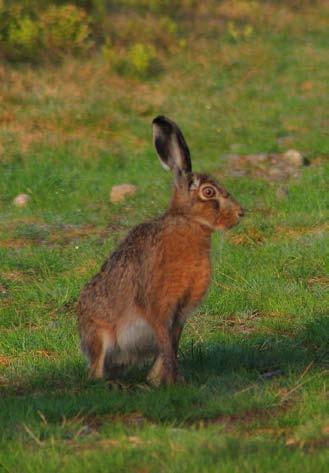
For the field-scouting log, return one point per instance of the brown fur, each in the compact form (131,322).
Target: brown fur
(134,309)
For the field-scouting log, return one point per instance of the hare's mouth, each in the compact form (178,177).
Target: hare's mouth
(227,224)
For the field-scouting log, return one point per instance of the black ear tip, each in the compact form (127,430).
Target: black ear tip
(160,120)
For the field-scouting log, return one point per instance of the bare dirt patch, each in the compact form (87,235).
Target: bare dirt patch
(268,166)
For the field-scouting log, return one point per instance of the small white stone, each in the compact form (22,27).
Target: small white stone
(21,200)
(119,192)
(294,157)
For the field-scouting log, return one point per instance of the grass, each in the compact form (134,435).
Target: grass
(255,355)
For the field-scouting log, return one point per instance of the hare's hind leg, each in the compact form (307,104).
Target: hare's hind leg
(97,347)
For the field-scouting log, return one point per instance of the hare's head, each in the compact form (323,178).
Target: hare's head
(197,195)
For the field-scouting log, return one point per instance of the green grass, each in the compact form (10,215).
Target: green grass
(256,353)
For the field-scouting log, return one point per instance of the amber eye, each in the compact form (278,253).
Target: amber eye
(208,192)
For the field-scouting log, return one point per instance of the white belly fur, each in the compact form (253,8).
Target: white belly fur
(135,343)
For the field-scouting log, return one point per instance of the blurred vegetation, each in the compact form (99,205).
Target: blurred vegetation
(134,36)
(128,32)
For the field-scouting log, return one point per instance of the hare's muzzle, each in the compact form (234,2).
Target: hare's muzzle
(230,214)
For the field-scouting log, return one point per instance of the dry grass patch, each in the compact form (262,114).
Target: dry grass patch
(308,445)
(246,420)
(321,280)
(69,233)
(242,325)
(251,236)
(39,112)
(5,360)
(34,234)
(15,243)
(285,232)
(13,275)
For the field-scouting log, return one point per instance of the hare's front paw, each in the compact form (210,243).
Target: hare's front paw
(158,376)
(155,375)
(180,379)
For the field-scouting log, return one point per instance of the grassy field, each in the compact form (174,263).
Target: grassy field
(256,353)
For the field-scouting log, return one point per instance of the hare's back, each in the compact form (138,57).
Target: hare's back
(123,275)
(140,243)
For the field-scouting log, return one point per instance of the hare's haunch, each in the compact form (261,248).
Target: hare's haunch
(135,308)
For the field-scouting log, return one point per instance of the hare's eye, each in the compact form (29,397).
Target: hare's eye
(208,192)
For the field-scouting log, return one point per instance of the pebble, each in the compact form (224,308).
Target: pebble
(294,157)
(21,200)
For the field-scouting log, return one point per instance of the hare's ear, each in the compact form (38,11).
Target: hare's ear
(171,146)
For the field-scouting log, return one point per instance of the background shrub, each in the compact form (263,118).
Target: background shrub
(133,36)
(141,56)
(65,29)
(23,37)
(28,33)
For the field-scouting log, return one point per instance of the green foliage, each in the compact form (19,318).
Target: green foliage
(23,37)
(138,61)
(235,33)
(157,6)
(33,35)
(141,57)
(65,30)
(48,30)
(36,31)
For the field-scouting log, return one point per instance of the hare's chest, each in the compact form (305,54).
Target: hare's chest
(184,273)
(198,280)
(189,278)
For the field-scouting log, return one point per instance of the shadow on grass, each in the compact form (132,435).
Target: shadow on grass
(259,354)
(214,375)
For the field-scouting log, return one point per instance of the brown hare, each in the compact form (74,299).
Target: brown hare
(135,308)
